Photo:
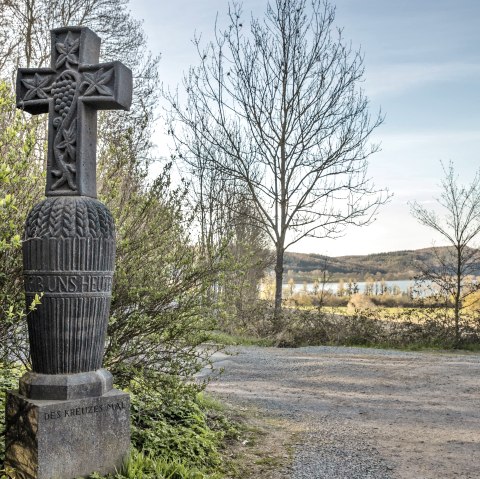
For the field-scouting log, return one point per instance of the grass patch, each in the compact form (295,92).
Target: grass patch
(262,447)
(145,466)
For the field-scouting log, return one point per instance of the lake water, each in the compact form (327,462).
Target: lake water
(403,285)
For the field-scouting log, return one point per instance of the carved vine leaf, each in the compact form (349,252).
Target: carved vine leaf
(96,82)
(36,86)
(64,175)
(69,140)
(61,179)
(68,51)
(65,157)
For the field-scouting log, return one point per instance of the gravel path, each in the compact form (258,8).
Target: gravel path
(365,413)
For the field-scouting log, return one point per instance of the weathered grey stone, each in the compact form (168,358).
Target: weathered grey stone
(67,439)
(67,421)
(65,386)
(69,257)
(69,241)
(71,91)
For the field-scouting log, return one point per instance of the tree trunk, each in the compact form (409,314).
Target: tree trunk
(278,286)
(457,323)
(458,295)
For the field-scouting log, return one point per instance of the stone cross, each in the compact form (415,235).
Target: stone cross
(71,91)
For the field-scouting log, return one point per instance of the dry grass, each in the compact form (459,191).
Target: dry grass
(263,448)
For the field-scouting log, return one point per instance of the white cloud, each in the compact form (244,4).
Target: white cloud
(395,79)
(398,140)
(416,155)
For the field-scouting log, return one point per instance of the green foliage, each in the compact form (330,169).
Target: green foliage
(172,424)
(20,186)
(176,434)
(8,380)
(159,314)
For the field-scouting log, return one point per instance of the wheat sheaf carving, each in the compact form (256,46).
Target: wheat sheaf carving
(69,217)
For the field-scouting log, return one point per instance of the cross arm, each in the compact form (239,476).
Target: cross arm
(33,89)
(107,86)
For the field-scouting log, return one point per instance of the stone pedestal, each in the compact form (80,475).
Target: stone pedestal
(66,439)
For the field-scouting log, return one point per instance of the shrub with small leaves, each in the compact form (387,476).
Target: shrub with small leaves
(20,187)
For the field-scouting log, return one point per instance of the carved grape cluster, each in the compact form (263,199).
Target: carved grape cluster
(63,92)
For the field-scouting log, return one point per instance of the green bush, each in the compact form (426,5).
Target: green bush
(20,186)
(173,435)
(172,424)
(8,380)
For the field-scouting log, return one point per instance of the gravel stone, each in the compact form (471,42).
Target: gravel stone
(365,413)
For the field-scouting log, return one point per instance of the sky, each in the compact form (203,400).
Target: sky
(422,68)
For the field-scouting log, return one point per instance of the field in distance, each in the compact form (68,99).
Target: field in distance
(396,265)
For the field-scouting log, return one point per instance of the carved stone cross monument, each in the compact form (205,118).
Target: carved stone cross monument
(66,420)
(71,92)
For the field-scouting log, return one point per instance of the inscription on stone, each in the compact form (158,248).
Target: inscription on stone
(71,282)
(84,410)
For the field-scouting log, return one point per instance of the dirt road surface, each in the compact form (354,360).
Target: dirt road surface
(365,413)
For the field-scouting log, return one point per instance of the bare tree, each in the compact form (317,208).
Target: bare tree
(453,266)
(282,104)
(223,213)
(24,41)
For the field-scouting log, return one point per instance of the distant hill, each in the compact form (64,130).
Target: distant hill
(390,266)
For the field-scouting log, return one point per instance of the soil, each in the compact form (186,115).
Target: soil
(362,413)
